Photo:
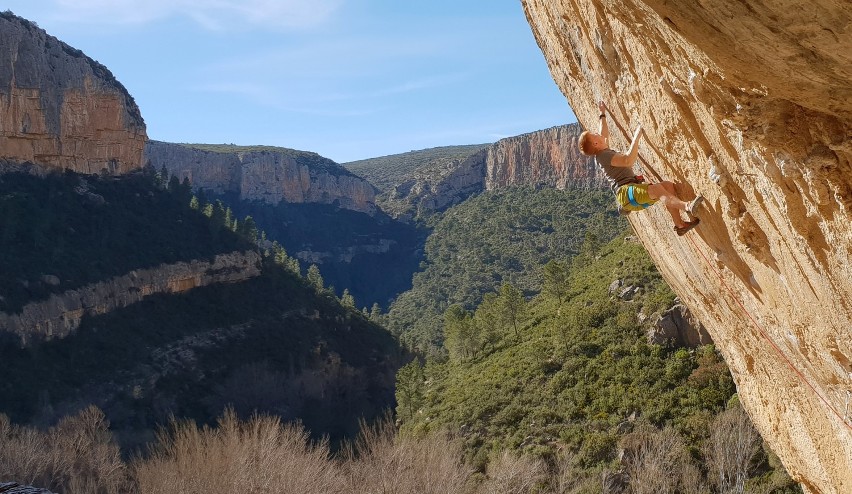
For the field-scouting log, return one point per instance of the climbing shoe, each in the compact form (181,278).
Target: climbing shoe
(681,230)
(693,205)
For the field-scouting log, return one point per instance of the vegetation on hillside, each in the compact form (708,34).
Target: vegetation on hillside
(66,230)
(278,343)
(374,256)
(387,172)
(573,381)
(497,237)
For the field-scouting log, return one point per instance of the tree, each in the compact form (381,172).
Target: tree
(461,336)
(555,276)
(347,300)
(487,319)
(248,229)
(409,390)
(376,313)
(733,443)
(193,203)
(512,306)
(315,278)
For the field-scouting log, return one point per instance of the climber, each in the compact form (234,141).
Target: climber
(630,191)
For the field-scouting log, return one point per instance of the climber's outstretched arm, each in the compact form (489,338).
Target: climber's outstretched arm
(604,128)
(627,160)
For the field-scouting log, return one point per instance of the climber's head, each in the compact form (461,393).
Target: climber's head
(590,143)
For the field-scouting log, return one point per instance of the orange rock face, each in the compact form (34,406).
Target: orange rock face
(547,157)
(763,86)
(59,108)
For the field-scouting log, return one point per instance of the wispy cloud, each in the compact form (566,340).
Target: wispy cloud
(211,14)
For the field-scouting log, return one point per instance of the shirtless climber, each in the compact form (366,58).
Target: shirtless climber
(630,194)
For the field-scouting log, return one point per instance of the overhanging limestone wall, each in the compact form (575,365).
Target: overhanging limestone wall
(764,86)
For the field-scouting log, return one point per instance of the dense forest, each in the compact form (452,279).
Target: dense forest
(499,236)
(280,343)
(66,230)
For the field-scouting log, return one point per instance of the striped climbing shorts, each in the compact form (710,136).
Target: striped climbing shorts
(633,197)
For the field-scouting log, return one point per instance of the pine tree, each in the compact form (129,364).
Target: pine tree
(347,300)
(409,390)
(315,278)
(376,313)
(461,335)
(512,306)
(194,204)
(555,276)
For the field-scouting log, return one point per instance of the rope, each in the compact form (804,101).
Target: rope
(754,322)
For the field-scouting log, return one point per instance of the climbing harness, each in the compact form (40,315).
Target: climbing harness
(843,418)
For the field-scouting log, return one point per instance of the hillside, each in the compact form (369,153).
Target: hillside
(581,383)
(389,172)
(764,88)
(207,337)
(496,237)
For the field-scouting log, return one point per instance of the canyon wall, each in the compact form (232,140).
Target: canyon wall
(764,88)
(59,108)
(547,157)
(61,314)
(269,175)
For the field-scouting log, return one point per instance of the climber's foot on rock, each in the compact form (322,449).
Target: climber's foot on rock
(693,206)
(689,225)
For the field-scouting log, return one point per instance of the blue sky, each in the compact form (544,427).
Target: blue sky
(348,79)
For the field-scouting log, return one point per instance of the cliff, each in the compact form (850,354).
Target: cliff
(266,174)
(60,108)
(60,315)
(546,157)
(434,179)
(764,87)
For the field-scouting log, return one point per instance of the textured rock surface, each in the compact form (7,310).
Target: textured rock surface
(548,157)
(269,176)
(62,109)
(765,87)
(677,326)
(61,314)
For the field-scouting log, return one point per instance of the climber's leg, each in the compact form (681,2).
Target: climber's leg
(665,193)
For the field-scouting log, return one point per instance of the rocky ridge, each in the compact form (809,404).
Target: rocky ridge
(763,87)
(442,177)
(271,175)
(61,314)
(60,108)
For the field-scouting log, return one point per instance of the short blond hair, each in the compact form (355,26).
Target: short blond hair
(585,144)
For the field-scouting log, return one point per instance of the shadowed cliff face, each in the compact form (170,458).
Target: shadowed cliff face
(62,109)
(765,87)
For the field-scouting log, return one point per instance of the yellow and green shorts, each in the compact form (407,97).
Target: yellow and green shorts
(633,197)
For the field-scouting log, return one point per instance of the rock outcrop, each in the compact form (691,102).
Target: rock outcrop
(270,175)
(60,315)
(763,86)
(60,108)
(546,157)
